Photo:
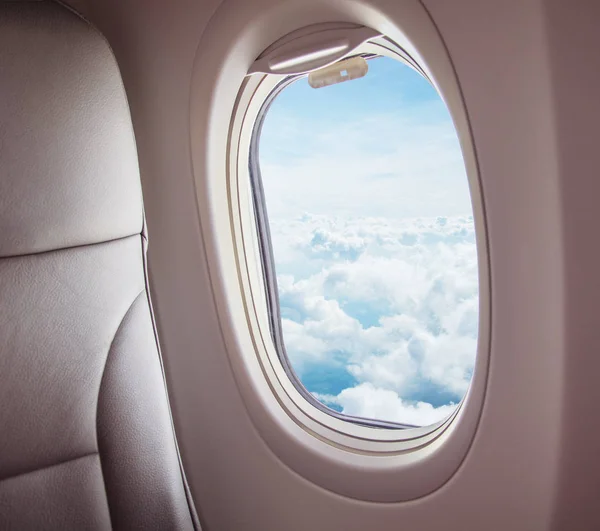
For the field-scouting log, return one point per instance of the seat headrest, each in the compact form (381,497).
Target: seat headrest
(68,163)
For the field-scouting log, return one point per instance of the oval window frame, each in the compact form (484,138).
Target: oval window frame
(340,430)
(360,462)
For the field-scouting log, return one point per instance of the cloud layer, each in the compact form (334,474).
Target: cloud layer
(380,315)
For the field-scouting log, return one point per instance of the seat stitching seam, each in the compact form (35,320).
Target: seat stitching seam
(186,488)
(45,467)
(69,247)
(110,348)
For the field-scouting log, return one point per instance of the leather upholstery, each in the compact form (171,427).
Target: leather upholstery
(86,439)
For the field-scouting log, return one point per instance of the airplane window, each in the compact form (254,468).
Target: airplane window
(374,294)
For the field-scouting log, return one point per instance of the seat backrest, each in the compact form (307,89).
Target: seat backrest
(86,438)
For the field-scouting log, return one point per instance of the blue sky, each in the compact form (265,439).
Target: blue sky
(374,243)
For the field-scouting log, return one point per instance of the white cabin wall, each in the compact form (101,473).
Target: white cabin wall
(574,41)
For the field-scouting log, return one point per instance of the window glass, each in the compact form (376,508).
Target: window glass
(373,243)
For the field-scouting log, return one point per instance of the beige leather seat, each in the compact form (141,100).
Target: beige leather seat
(86,440)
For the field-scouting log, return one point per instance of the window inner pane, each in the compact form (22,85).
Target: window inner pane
(374,246)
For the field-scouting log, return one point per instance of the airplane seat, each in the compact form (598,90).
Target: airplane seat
(86,436)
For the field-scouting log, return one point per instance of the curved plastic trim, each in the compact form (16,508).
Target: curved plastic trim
(351,460)
(312,51)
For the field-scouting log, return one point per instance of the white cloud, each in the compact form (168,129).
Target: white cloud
(373,158)
(366,400)
(401,311)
